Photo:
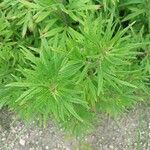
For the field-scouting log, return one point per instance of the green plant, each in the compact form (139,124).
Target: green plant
(67,60)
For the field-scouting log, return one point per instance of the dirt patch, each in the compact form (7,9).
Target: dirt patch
(131,132)
(5,118)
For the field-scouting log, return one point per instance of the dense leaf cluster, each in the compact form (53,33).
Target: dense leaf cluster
(70,59)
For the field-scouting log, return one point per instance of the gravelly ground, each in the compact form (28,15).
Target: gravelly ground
(131,132)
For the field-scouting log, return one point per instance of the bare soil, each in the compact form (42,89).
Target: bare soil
(129,132)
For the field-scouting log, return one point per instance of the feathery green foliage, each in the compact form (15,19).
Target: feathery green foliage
(70,59)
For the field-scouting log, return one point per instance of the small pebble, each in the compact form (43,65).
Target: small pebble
(3,134)
(46,147)
(36,142)
(111,147)
(22,142)
(3,139)
(67,148)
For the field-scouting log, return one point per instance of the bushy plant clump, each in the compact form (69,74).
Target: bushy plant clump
(67,60)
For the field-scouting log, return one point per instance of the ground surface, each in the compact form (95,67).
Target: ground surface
(131,132)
